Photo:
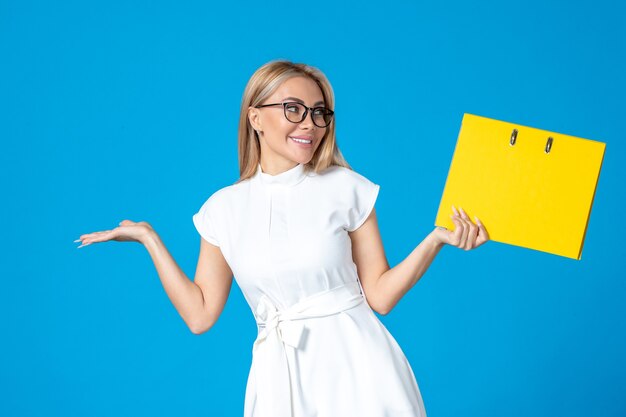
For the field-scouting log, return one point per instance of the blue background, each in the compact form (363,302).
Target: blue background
(129,110)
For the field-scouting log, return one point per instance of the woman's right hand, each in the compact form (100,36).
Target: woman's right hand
(127,231)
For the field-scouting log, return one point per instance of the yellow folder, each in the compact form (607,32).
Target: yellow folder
(529,187)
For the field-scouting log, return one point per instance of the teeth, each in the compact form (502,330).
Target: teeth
(301,140)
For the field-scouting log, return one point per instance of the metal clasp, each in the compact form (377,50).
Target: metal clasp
(549,144)
(513,137)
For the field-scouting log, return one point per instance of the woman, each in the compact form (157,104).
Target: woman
(299,233)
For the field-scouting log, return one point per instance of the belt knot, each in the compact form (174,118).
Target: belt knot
(270,319)
(278,328)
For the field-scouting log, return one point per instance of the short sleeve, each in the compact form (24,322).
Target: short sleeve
(363,197)
(203,220)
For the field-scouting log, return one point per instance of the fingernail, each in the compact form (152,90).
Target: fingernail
(77,240)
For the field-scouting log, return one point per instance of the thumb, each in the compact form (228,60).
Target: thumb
(125,222)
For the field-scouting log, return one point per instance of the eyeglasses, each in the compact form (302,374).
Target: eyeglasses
(296,113)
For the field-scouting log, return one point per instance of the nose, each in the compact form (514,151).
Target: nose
(308,121)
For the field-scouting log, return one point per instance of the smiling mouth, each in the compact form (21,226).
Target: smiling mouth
(302,141)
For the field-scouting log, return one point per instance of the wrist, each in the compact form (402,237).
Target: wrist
(434,239)
(150,238)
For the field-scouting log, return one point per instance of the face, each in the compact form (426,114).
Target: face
(279,151)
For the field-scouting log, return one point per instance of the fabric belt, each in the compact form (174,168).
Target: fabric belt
(278,328)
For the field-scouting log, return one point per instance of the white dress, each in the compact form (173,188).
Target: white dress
(320,351)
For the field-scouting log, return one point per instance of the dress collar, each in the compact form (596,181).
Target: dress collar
(289,178)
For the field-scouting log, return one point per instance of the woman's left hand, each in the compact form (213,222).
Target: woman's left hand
(466,234)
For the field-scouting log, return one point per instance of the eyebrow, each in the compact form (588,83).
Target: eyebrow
(300,101)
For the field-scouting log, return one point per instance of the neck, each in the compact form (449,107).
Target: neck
(276,168)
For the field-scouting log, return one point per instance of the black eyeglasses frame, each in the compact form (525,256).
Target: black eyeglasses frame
(306,111)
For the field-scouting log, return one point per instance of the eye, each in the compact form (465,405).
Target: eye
(293,108)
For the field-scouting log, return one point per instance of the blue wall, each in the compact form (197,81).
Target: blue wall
(113,110)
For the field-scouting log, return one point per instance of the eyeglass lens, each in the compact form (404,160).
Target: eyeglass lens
(295,112)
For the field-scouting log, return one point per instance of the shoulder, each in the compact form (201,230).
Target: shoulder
(225,197)
(353,195)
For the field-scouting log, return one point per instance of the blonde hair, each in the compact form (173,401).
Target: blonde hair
(261,85)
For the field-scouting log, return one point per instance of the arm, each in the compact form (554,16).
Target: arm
(385,286)
(397,281)
(199,302)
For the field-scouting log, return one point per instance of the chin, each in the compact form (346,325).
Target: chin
(302,161)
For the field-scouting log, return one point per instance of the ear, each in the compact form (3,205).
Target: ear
(254,116)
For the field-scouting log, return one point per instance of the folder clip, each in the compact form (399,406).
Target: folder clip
(513,137)
(549,144)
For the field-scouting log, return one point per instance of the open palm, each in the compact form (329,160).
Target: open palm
(127,231)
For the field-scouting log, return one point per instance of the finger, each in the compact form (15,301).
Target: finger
(455,211)
(464,215)
(91,236)
(472,236)
(84,243)
(99,237)
(483,235)
(84,238)
(466,231)
(455,237)
(471,230)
